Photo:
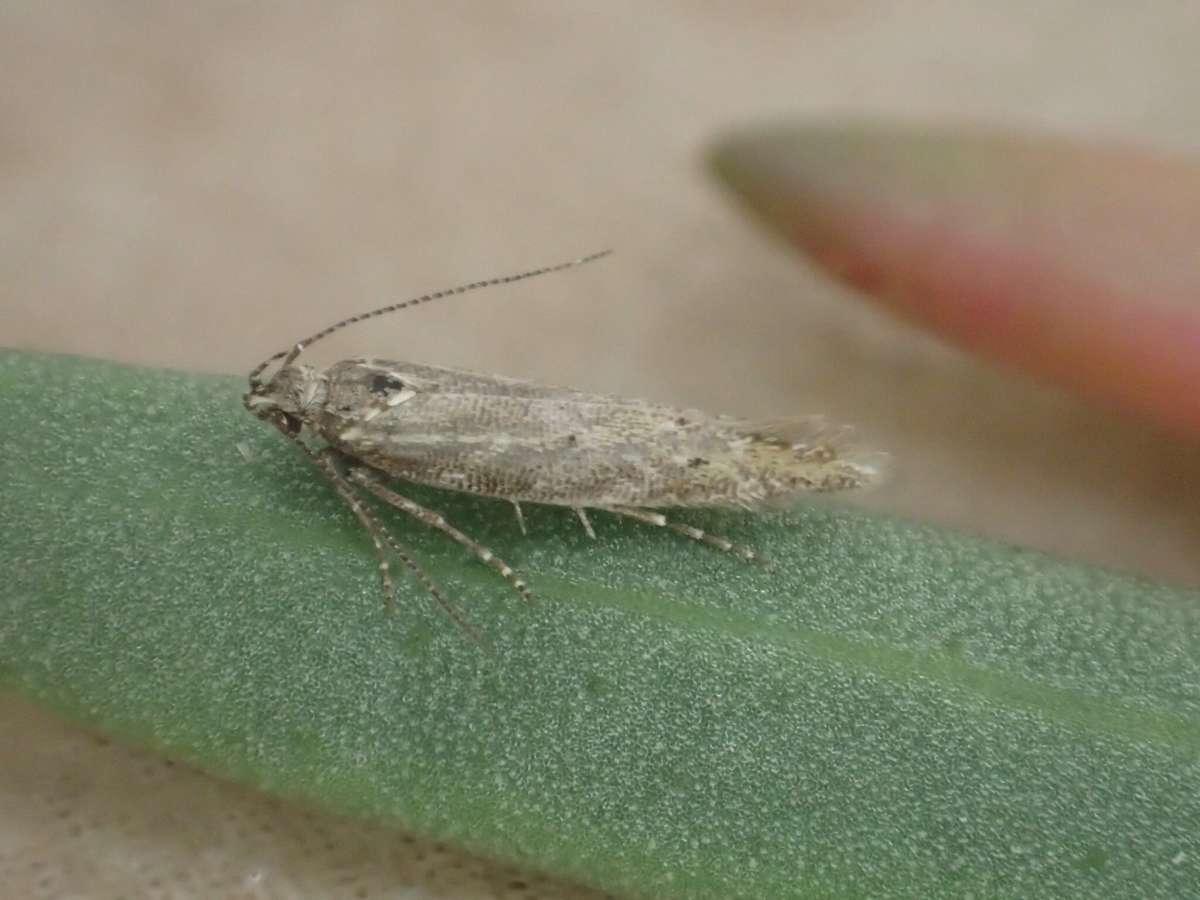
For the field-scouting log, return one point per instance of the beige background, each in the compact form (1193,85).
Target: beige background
(196,185)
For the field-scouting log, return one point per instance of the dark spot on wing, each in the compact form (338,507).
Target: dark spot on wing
(696,461)
(773,440)
(572,440)
(385,384)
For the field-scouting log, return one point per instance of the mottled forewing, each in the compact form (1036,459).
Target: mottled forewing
(500,437)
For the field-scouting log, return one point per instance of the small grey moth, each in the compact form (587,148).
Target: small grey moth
(498,437)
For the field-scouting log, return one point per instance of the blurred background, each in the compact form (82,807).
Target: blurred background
(198,185)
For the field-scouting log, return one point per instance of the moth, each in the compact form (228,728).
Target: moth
(383,420)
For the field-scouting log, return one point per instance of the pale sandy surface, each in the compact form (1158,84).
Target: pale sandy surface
(196,185)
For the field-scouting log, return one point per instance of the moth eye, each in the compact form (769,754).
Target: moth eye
(385,384)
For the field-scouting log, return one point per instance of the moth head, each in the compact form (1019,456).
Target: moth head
(293,396)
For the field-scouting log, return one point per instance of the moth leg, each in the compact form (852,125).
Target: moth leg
(380,534)
(696,534)
(374,527)
(520,516)
(426,582)
(429,517)
(587,526)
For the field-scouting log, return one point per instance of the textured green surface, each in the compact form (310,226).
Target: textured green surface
(891,711)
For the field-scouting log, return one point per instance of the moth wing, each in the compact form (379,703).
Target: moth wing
(821,440)
(426,377)
(801,431)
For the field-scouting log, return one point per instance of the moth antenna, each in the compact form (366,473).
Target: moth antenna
(289,356)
